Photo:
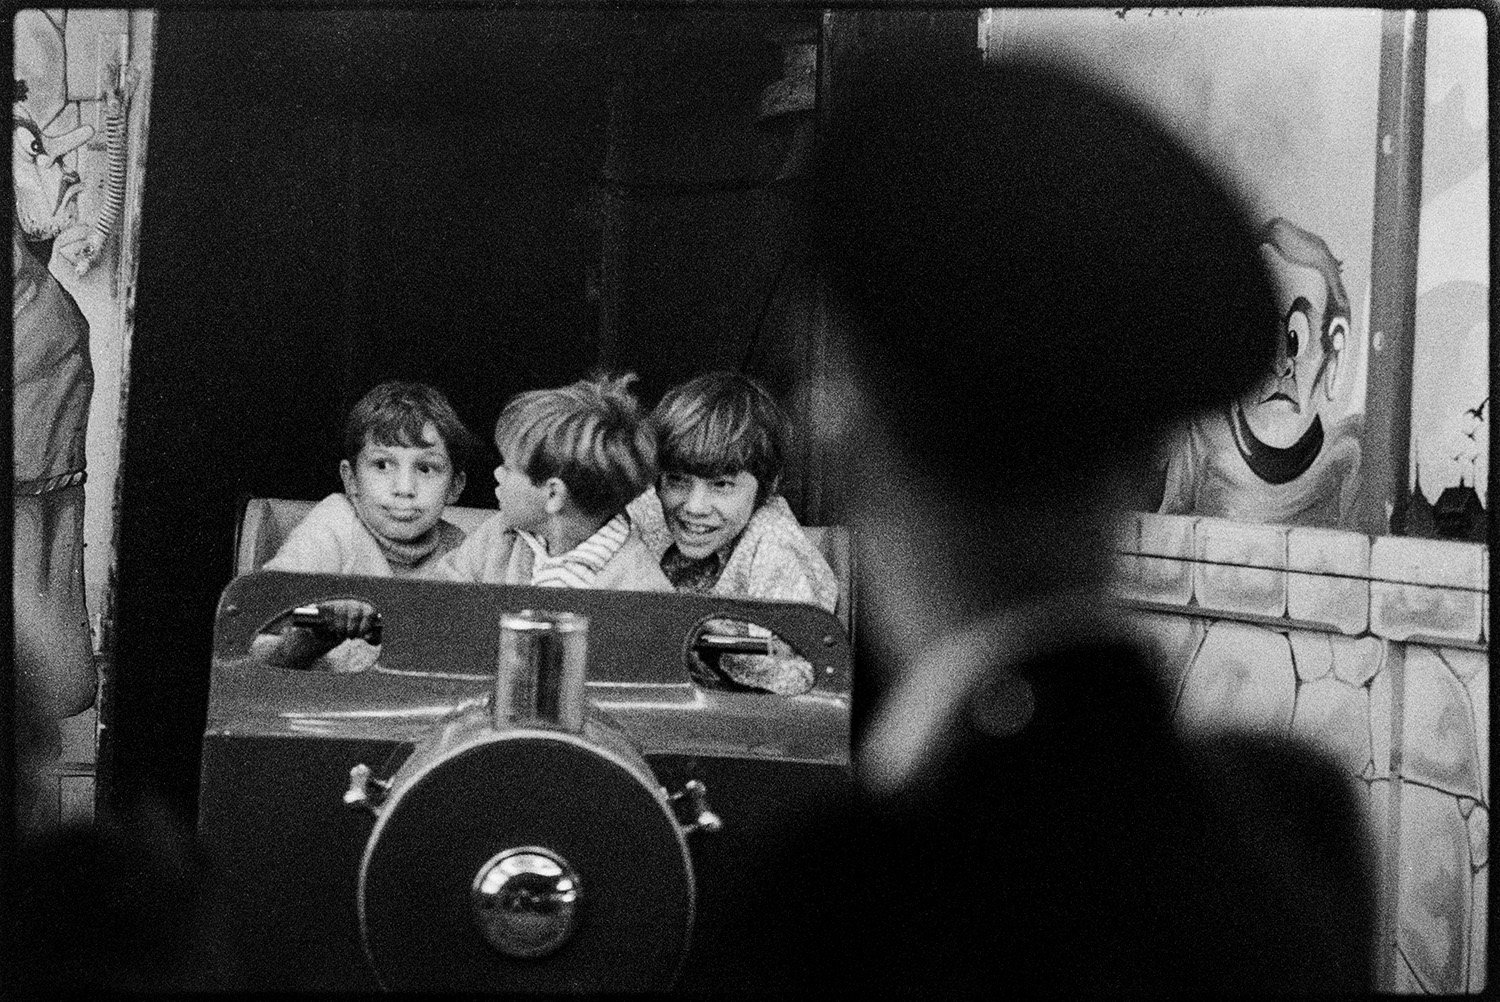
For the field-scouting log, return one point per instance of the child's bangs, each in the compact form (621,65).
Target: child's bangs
(517,442)
(403,429)
(718,446)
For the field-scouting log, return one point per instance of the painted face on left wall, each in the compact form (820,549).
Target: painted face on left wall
(46,189)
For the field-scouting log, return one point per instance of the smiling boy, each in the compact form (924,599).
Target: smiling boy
(717,521)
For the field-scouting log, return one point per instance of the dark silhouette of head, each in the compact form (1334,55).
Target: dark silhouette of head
(1039,276)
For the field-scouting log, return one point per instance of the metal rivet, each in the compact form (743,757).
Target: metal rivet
(828,670)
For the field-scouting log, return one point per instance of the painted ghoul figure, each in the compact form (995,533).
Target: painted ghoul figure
(1283,452)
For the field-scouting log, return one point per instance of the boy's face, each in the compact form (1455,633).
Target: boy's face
(523,503)
(705,514)
(401,490)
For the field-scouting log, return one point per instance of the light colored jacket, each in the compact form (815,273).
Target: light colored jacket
(773,557)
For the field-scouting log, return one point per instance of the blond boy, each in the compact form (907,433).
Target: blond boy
(571,459)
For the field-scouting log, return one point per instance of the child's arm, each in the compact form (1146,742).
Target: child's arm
(781,671)
(483,557)
(311,632)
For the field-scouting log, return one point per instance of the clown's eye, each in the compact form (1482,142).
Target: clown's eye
(1296,333)
(37,150)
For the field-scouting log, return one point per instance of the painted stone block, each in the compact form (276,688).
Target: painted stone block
(1439,745)
(1328,578)
(1174,639)
(1356,659)
(1241,568)
(1435,890)
(1335,717)
(84,29)
(1312,654)
(1425,589)
(1242,678)
(1164,570)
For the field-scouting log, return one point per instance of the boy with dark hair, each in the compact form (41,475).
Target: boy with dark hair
(404,455)
(717,522)
(571,458)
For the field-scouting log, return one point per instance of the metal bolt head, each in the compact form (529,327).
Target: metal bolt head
(525,901)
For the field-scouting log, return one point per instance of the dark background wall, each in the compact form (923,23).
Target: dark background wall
(487,201)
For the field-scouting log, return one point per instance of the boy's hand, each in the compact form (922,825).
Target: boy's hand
(340,619)
(312,631)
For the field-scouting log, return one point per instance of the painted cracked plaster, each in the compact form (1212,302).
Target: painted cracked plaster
(1335,716)
(1242,678)
(1440,741)
(1356,659)
(1435,893)
(1312,654)
(1174,639)
(1477,681)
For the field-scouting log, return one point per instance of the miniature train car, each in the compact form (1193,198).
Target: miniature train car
(525,791)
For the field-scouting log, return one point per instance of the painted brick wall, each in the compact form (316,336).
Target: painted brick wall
(1376,650)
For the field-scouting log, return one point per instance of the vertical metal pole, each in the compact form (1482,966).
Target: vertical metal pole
(1383,499)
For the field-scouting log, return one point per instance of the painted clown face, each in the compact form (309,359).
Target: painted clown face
(1282,410)
(46,190)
